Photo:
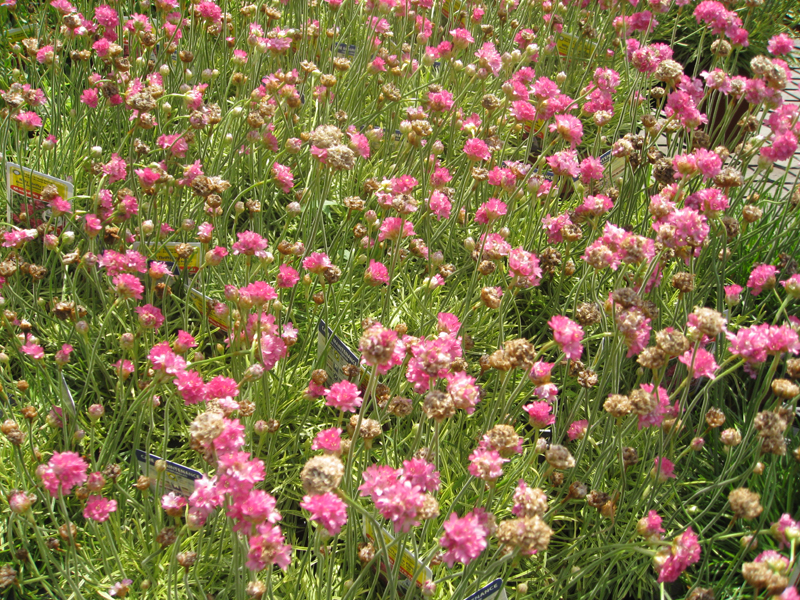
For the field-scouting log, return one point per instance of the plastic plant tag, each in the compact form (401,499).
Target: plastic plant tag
(410,566)
(168,254)
(571,44)
(17,34)
(66,396)
(344,49)
(338,354)
(177,478)
(613,168)
(491,591)
(24,193)
(206,306)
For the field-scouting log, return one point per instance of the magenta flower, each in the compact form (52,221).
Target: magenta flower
(376,273)
(328,440)
(250,244)
(420,473)
(762,276)
(344,396)
(377,479)
(328,510)
(393,228)
(287,276)
(400,503)
(116,168)
(577,429)
(464,538)
(780,44)
(704,363)
(90,97)
(317,262)
(685,551)
(489,58)
(539,414)
(31,348)
(568,335)
(28,120)
(663,469)
(63,472)
(476,149)
(283,175)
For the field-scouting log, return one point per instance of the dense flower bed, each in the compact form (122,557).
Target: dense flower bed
(397,298)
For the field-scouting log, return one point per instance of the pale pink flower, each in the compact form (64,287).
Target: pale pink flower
(476,149)
(577,429)
(63,472)
(762,276)
(568,336)
(704,363)
(420,473)
(490,211)
(250,244)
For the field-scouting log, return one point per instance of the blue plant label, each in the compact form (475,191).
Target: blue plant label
(338,356)
(491,591)
(177,478)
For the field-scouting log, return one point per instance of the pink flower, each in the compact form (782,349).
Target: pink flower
(439,205)
(283,175)
(590,169)
(732,294)
(99,508)
(287,276)
(328,510)
(377,479)
(173,504)
(128,286)
(209,11)
(704,363)
(564,163)
(63,472)
(150,317)
(106,16)
(376,273)
(190,386)
(762,276)
(489,211)
(90,97)
(569,128)
(524,266)
(539,414)
(28,120)
(650,525)
(35,351)
(663,469)
(486,464)
(62,356)
(393,228)
(116,169)
(663,409)
(328,440)
(464,538)
(568,336)
(476,149)
(420,473)
(464,391)
(268,548)
(317,262)
(400,503)
(489,58)
(344,396)
(684,551)
(250,244)
(780,44)
(577,429)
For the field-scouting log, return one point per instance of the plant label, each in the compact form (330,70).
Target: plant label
(24,193)
(410,566)
(491,591)
(177,478)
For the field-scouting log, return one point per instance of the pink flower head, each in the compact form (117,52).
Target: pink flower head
(577,429)
(328,440)
(590,169)
(684,551)
(344,396)
(463,390)
(150,317)
(704,363)
(539,414)
(762,276)
(420,473)
(564,163)
(99,508)
(663,469)
(476,149)
(268,548)
(250,244)
(490,211)
(376,273)
(28,120)
(393,228)
(568,336)
(287,276)
(400,503)
(116,169)
(464,538)
(780,44)
(32,349)
(63,472)
(283,175)
(128,286)
(439,205)
(317,262)
(328,510)
(662,409)
(569,128)
(377,479)
(525,267)
(486,464)
(650,525)
(733,294)
(173,504)
(489,58)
